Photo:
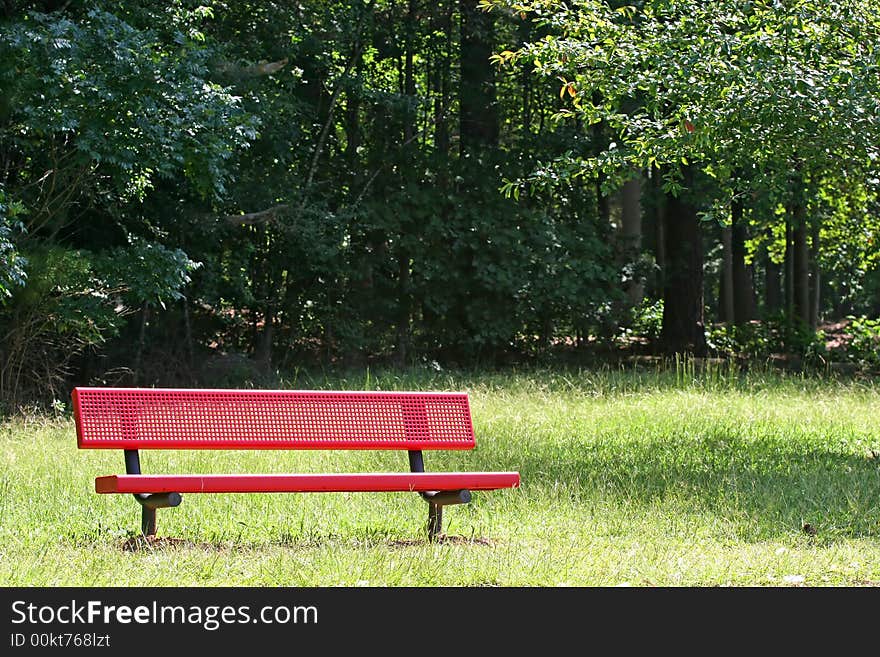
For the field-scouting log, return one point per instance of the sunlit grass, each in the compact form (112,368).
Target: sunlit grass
(676,478)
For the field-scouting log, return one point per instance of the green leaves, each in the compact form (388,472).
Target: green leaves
(127,105)
(762,83)
(13,264)
(146,272)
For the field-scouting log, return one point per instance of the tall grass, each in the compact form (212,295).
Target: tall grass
(682,476)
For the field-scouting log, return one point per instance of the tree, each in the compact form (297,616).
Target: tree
(98,110)
(749,92)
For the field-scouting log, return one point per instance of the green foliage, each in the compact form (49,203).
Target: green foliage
(75,301)
(774,102)
(724,85)
(60,313)
(12,264)
(850,237)
(145,272)
(306,166)
(64,291)
(102,107)
(643,322)
(109,102)
(775,337)
(863,341)
(647,319)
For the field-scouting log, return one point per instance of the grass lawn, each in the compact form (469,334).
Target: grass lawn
(628,478)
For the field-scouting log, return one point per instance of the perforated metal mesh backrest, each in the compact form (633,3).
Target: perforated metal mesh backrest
(139,418)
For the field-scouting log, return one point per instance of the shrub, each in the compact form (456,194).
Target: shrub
(763,339)
(863,345)
(74,300)
(647,319)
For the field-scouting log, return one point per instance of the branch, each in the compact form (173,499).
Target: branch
(252,71)
(325,130)
(406,143)
(334,98)
(255,217)
(270,213)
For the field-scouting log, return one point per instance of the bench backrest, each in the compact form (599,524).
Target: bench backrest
(163,418)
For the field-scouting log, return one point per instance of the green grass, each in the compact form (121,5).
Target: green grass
(678,478)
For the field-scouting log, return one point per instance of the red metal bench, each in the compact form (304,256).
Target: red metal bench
(133,419)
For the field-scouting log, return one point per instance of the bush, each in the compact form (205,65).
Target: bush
(12,264)
(57,315)
(73,301)
(763,339)
(647,319)
(863,344)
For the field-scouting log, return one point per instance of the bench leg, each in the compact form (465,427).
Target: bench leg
(436,501)
(148,521)
(149,503)
(435,520)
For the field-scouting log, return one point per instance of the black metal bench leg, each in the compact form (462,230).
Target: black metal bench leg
(435,520)
(148,521)
(149,503)
(436,501)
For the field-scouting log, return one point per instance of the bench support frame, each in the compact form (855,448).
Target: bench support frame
(436,499)
(149,501)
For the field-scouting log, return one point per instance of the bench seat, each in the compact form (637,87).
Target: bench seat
(418,482)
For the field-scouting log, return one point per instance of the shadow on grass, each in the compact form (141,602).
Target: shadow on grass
(443,539)
(143,543)
(777,485)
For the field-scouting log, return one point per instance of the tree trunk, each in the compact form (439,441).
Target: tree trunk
(409,82)
(478,112)
(188,337)
(742,275)
(263,352)
(441,81)
(403,309)
(815,276)
(353,133)
(659,230)
(402,328)
(726,287)
(683,315)
(772,287)
(801,264)
(603,205)
(142,341)
(789,267)
(526,77)
(631,233)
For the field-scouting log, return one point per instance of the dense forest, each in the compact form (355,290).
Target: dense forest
(214,192)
